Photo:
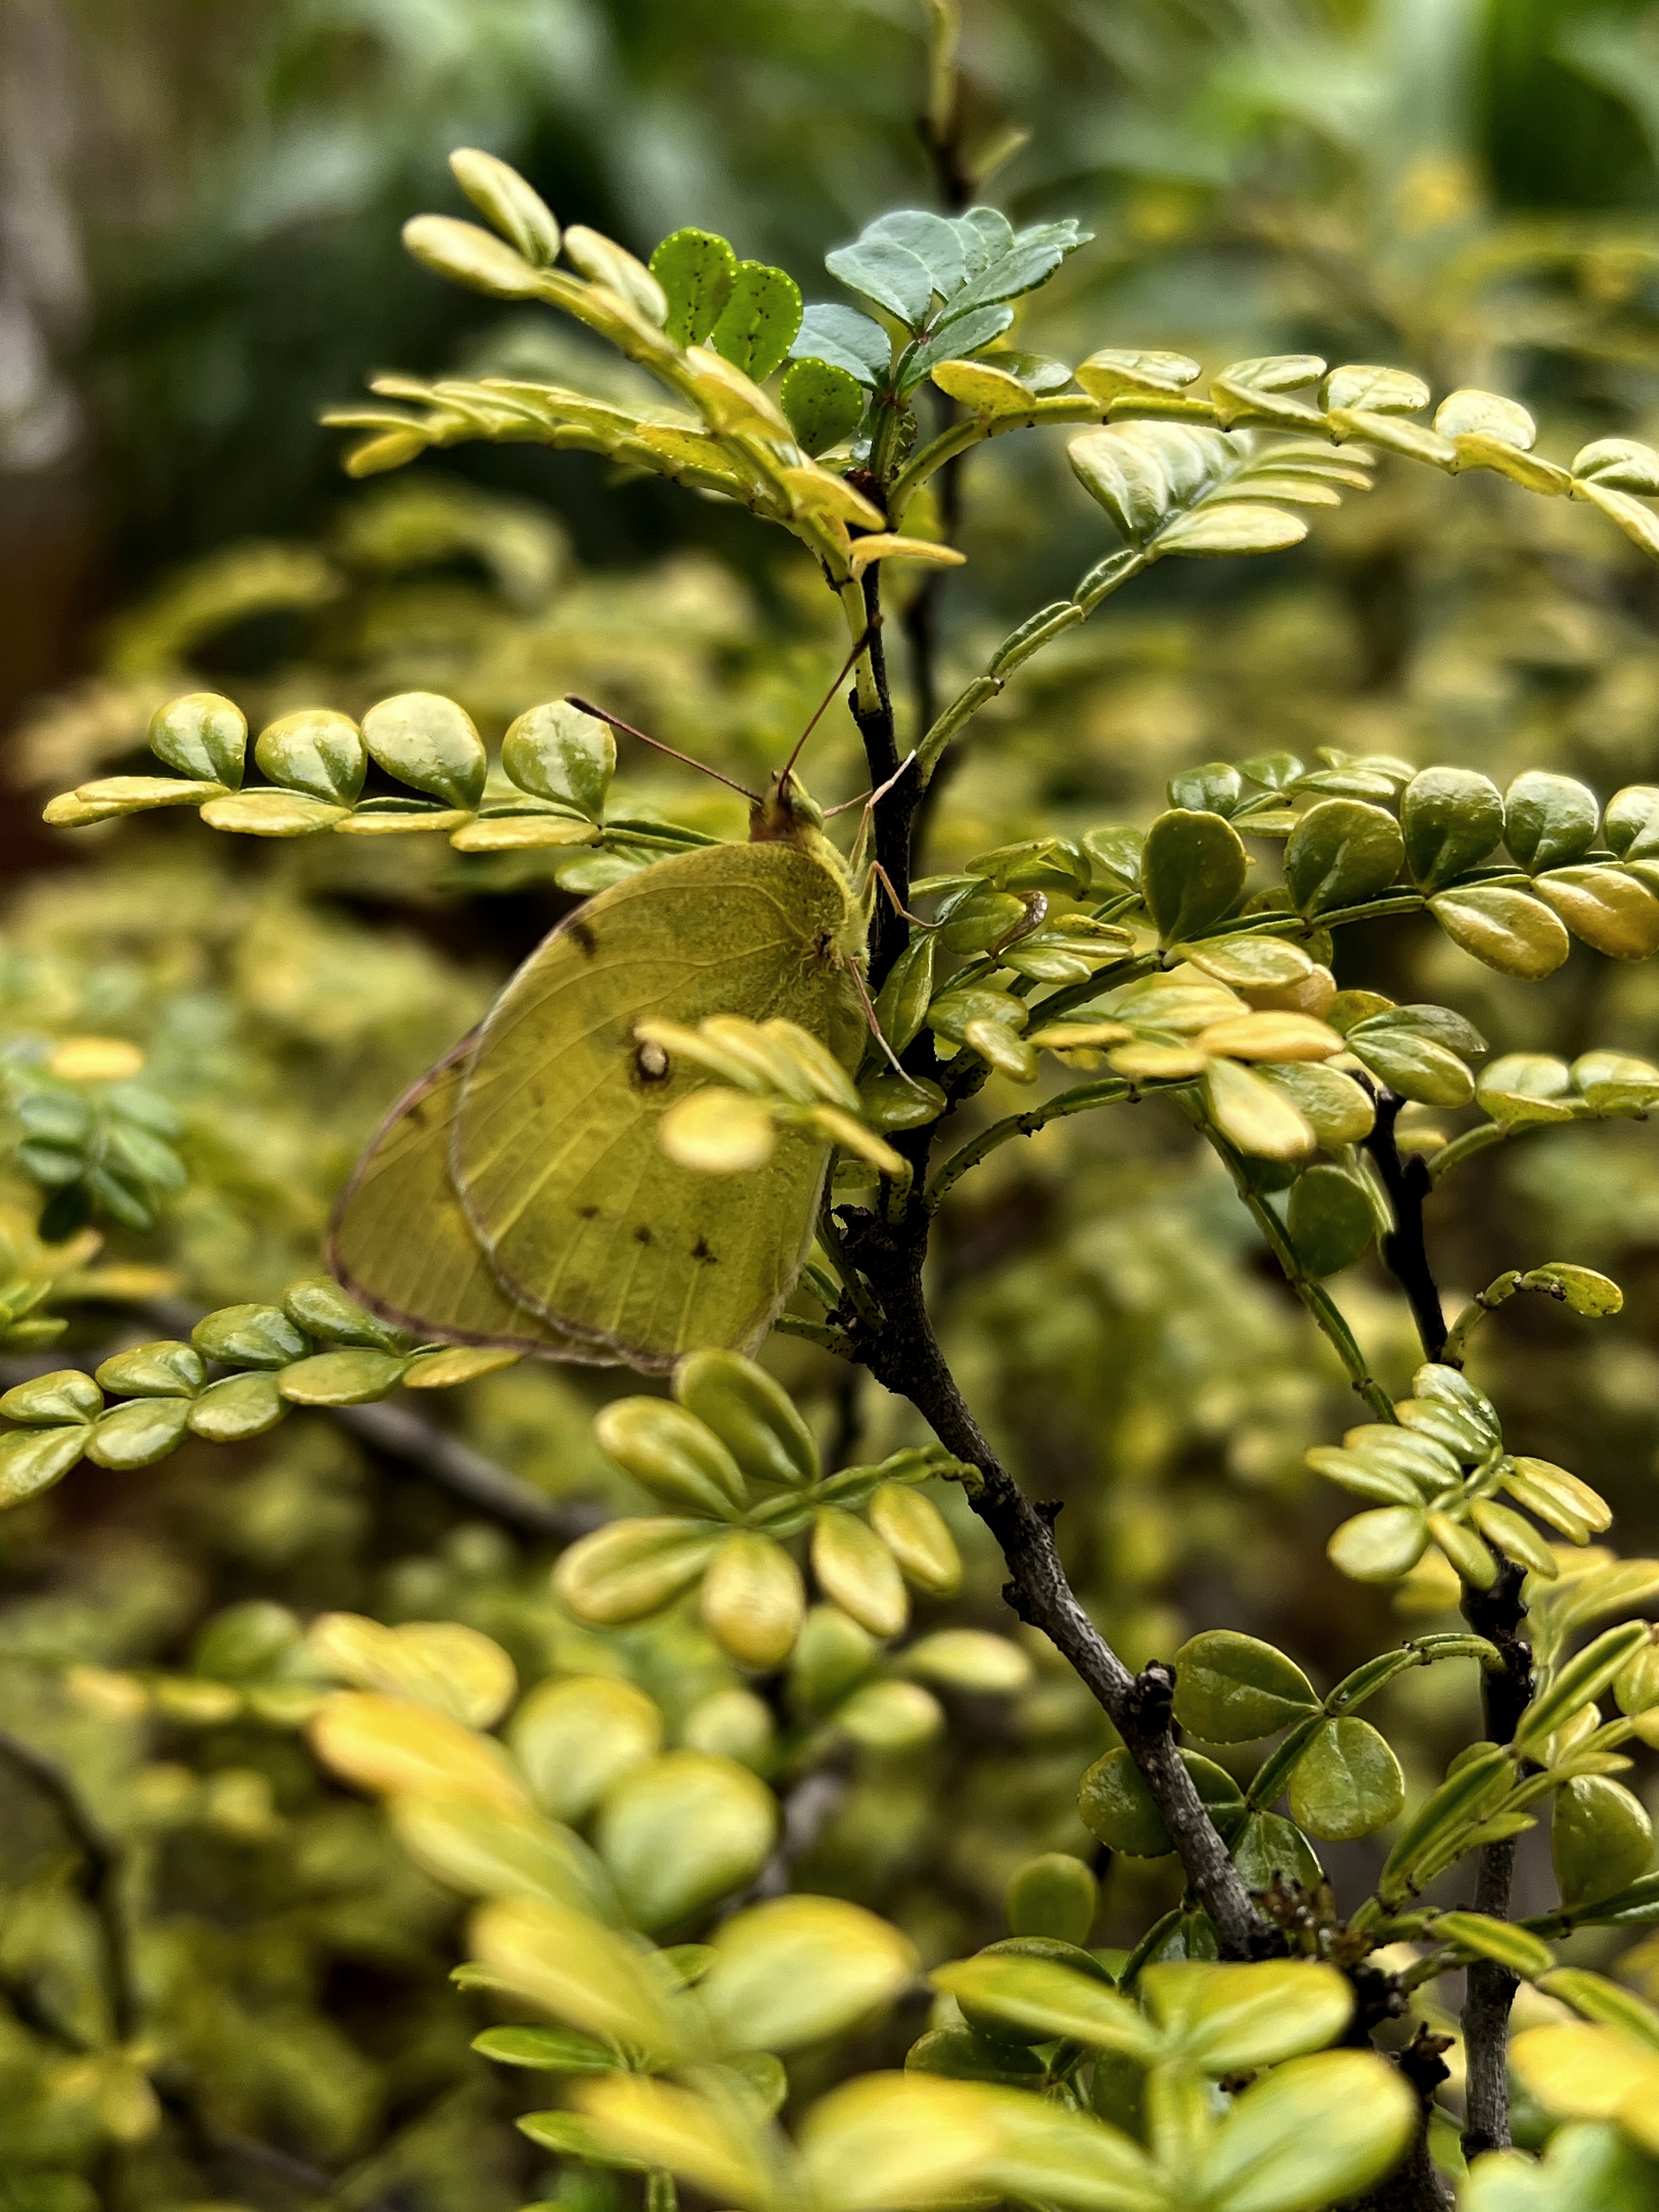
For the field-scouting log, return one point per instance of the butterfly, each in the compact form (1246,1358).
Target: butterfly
(518,1197)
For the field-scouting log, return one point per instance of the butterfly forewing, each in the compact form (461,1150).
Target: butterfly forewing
(401,1245)
(554,1152)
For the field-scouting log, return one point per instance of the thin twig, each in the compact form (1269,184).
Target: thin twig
(396,1432)
(101,1877)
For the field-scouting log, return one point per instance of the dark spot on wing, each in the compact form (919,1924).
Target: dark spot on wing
(642,1235)
(588,1213)
(700,1251)
(651,1063)
(581,934)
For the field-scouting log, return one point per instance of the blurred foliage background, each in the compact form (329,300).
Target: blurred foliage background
(201,210)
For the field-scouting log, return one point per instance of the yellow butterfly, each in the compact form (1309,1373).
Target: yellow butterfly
(519,1197)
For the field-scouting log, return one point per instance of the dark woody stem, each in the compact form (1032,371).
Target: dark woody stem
(1489,1991)
(1405,1252)
(897,1344)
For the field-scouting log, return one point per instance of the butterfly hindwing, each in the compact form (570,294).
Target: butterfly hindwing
(400,1243)
(554,1152)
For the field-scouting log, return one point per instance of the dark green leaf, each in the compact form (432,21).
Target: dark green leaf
(1341,852)
(695,268)
(1450,819)
(759,320)
(845,340)
(1192,872)
(824,405)
(1331,1221)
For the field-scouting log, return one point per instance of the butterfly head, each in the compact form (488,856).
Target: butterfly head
(787,814)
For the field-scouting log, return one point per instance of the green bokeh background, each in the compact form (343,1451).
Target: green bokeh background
(202,203)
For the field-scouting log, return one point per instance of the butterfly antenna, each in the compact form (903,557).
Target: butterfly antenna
(823,703)
(867,799)
(585,707)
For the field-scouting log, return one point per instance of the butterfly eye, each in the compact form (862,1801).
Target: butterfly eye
(651,1063)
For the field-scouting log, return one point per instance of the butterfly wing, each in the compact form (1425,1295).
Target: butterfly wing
(584,1220)
(400,1243)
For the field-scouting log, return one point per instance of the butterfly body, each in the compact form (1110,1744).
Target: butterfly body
(519,1196)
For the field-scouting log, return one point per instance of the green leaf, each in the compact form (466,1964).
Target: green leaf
(1380,1546)
(1586,1293)
(1270,1846)
(962,2055)
(1413,1066)
(1316,2132)
(466,255)
(239,1406)
(1504,927)
(1331,1221)
(1499,1940)
(556,752)
(1605,2001)
(1341,852)
(1614,913)
(629,1570)
(1632,824)
(1470,1792)
(555,2050)
(32,1459)
(1231,2019)
(1485,414)
(1054,1894)
(824,405)
(1347,1783)
(66,1394)
(502,1851)
(956,336)
(683,1830)
(1117,1808)
(317,751)
(167,1370)
(1338,1110)
(575,1737)
(138,1433)
(1032,1999)
(1578,1684)
(428,742)
(1254,1115)
(1192,872)
(753,1417)
(797,1969)
(935,241)
(1449,818)
(1613,1082)
(1232,526)
(1639,523)
(1144,473)
(341,1378)
(845,340)
(503,198)
(1549,820)
(320,1308)
(1231,1688)
(760,319)
(202,735)
(695,268)
(1381,390)
(674,1456)
(891,275)
(1600,1840)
